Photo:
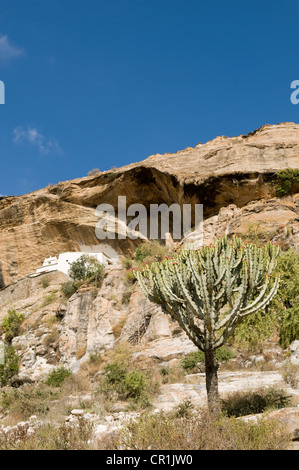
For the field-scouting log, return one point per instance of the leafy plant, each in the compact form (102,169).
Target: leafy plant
(10,366)
(87,269)
(69,288)
(285,181)
(125,383)
(286,303)
(11,324)
(190,362)
(282,316)
(184,409)
(58,376)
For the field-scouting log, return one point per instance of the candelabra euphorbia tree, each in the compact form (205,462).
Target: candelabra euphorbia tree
(210,290)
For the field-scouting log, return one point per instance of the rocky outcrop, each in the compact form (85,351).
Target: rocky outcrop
(222,172)
(58,333)
(267,219)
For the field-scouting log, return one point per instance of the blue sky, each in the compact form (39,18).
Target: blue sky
(103,83)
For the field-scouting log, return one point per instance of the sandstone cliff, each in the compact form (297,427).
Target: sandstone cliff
(220,173)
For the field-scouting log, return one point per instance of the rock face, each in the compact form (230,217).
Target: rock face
(58,333)
(267,219)
(224,171)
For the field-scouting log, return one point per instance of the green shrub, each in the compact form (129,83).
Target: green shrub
(87,269)
(246,403)
(122,382)
(126,295)
(286,303)
(184,409)
(135,383)
(58,376)
(115,373)
(254,330)
(281,316)
(69,288)
(224,354)
(286,181)
(11,324)
(190,362)
(10,367)
(130,278)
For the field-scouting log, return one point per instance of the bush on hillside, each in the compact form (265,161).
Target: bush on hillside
(87,269)
(11,324)
(10,366)
(281,317)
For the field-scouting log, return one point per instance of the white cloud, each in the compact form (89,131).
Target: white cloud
(7,51)
(31,136)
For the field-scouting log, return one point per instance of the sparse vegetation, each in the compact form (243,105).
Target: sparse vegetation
(184,409)
(45,282)
(290,374)
(57,377)
(123,380)
(151,251)
(257,234)
(51,338)
(50,437)
(95,171)
(69,288)
(28,400)
(127,263)
(48,300)
(286,304)
(202,431)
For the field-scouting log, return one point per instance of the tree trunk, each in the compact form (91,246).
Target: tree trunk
(211,364)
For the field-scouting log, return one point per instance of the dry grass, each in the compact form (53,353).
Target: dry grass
(49,437)
(165,432)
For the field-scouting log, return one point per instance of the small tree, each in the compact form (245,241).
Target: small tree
(209,291)
(11,324)
(87,268)
(10,366)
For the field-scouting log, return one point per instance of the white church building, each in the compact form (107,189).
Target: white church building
(64,260)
